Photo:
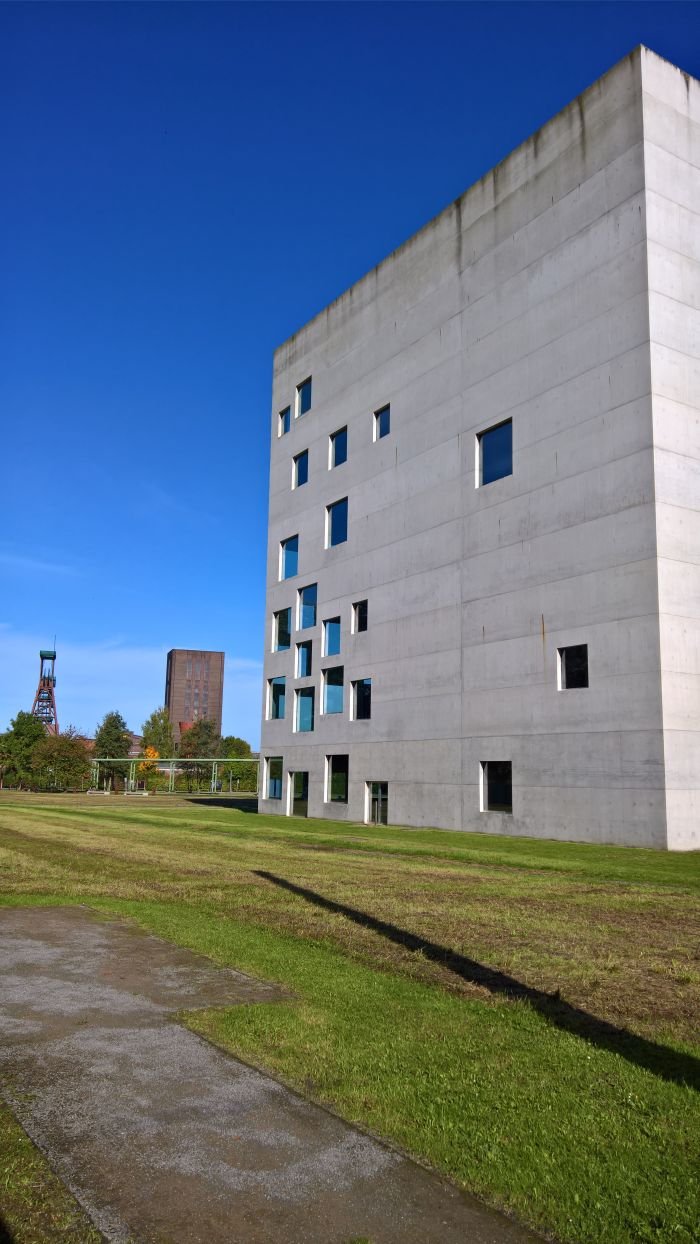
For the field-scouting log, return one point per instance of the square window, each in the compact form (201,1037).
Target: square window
(305,710)
(382,422)
(362,699)
(276,695)
(336,523)
(274,777)
(303,397)
(337,769)
(359,616)
(338,448)
(307,606)
(497,786)
(333,689)
(284,420)
(331,637)
(300,468)
(304,659)
(494,453)
(282,630)
(573,667)
(289,557)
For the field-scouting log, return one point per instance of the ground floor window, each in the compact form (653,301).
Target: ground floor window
(496,786)
(274,777)
(377,805)
(337,779)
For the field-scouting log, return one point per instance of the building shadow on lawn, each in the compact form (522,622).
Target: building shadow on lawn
(235,802)
(6,1236)
(663,1061)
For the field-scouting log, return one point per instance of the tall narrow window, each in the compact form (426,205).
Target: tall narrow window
(282,630)
(285,416)
(337,771)
(276,698)
(495,453)
(304,659)
(359,616)
(307,606)
(305,710)
(300,469)
(274,777)
(362,699)
(338,448)
(382,422)
(573,667)
(337,523)
(333,690)
(496,786)
(303,397)
(289,557)
(331,637)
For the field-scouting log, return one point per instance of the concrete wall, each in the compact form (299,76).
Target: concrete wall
(672,168)
(525,299)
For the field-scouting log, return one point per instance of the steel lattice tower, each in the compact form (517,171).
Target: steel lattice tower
(44,706)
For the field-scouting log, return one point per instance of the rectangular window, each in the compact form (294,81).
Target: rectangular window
(282,631)
(338,448)
(331,637)
(307,606)
(285,416)
(494,453)
(573,667)
(333,690)
(304,659)
(359,616)
(303,397)
(382,422)
(276,698)
(496,786)
(305,709)
(274,777)
(362,699)
(289,557)
(300,469)
(337,769)
(336,523)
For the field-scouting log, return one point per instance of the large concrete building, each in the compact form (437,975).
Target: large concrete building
(194,687)
(483,602)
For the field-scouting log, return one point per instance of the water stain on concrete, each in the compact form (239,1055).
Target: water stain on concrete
(162,1137)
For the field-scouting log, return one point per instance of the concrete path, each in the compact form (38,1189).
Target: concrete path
(163,1138)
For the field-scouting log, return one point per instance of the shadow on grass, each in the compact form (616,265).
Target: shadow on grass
(662,1061)
(238,803)
(6,1236)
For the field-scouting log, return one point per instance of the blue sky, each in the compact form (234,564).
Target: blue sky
(182,186)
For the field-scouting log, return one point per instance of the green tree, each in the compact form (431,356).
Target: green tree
(25,731)
(158,733)
(202,739)
(112,739)
(61,760)
(232,746)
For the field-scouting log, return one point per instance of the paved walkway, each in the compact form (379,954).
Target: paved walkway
(165,1139)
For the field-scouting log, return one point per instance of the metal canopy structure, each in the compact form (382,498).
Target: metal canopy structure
(44,706)
(169,764)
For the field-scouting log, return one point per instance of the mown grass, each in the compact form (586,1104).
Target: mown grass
(533,1104)
(35,1208)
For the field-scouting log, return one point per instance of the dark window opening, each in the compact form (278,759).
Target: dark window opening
(362,692)
(285,416)
(496,452)
(304,659)
(333,690)
(339,447)
(274,777)
(337,523)
(498,786)
(283,630)
(307,606)
(301,468)
(277,698)
(359,612)
(382,422)
(304,396)
(573,666)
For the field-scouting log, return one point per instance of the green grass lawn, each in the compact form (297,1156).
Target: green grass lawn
(521,1015)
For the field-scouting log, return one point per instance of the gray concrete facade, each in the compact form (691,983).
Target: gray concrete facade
(561,292)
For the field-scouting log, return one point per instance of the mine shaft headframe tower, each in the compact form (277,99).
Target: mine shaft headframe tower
(44,706)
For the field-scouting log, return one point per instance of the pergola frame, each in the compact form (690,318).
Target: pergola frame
(171,763)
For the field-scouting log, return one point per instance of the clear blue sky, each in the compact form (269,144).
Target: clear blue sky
(182,186)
